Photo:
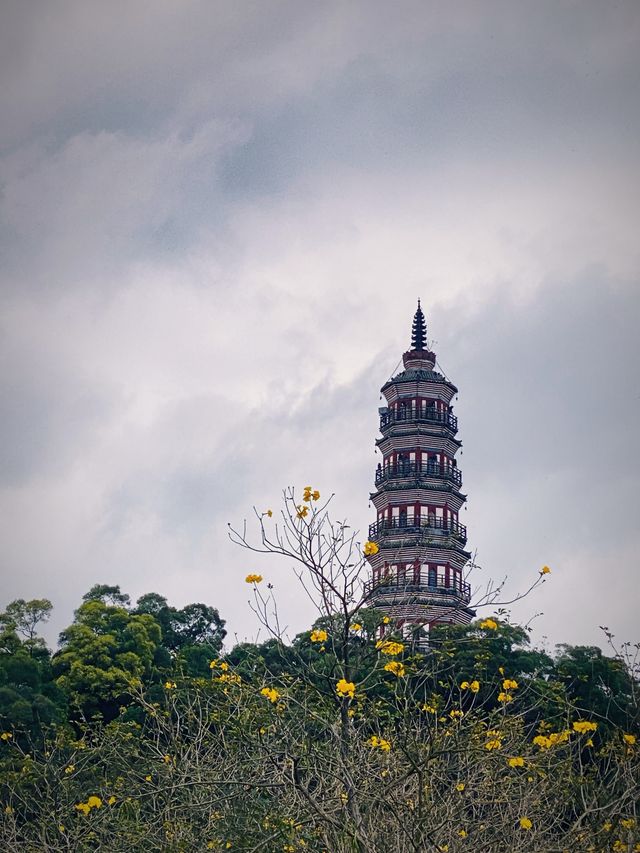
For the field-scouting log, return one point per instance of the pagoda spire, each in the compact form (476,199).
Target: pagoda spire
(418,330)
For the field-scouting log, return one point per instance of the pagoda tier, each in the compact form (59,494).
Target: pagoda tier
(417,575)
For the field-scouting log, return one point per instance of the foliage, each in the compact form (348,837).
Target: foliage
(352,737)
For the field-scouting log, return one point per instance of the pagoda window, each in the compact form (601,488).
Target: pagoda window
(433,576)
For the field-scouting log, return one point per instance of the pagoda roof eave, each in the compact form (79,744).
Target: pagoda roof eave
(419,375)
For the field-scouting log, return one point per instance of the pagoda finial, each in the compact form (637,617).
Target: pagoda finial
(418,330)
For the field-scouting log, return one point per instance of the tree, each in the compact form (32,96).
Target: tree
(105,655)
(193,636)
(107,594)
(24,617)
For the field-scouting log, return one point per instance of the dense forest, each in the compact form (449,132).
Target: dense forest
(142,731)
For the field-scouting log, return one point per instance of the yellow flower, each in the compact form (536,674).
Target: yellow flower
(302,512)
(460,786)
(515,762)
(70,768)
(464,685)
(166,759)
(429,709)
(61,827)
(473,686)
(8,810)
(147,778)
(224,666)
(385,620)
(628,823)
(589,742)
(583,726)
(489,624)
(395,667)
(630,739)
(270,693)
(509,684)
(379,743)
(213,664)
(318,636)
(545,570)
(253,579)
(346,688)
(494,743)
(356,626)
(315,494)
(370,549)
(94,802)
(462,833)
(85,808)
(111,800)
(525,823)
(389,647)
(5,736)
(169,685)
(269,513)
(505,697)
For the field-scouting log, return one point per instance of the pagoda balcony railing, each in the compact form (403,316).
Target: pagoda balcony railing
(427,525)
(398,587)
(412,469)
(418,416)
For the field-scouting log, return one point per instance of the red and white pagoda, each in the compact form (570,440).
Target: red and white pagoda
(418,571)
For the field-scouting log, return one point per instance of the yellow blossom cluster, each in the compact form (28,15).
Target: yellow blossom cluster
(489,624)
(428,709)
(318,636)
(229,677)
(395,667)
(379,743)
(253,579)
(310,494)
(509,684)
(389,647)
(170,685)
(525,823)
(516,761)
(345,688)
(473,686)
(93,802)
(505,697)
(385,620)
(630,740)
(370,549)
(494,740)
(5,736)
(584,726)
(302,511)
(270,693)
(356,626)
(547,741)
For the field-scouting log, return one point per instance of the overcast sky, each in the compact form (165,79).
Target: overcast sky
(216,219)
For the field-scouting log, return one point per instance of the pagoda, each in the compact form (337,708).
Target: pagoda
(417,575)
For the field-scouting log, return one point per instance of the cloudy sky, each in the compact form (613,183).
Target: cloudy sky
(215,221)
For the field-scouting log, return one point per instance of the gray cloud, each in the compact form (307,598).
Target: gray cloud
(214,225)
